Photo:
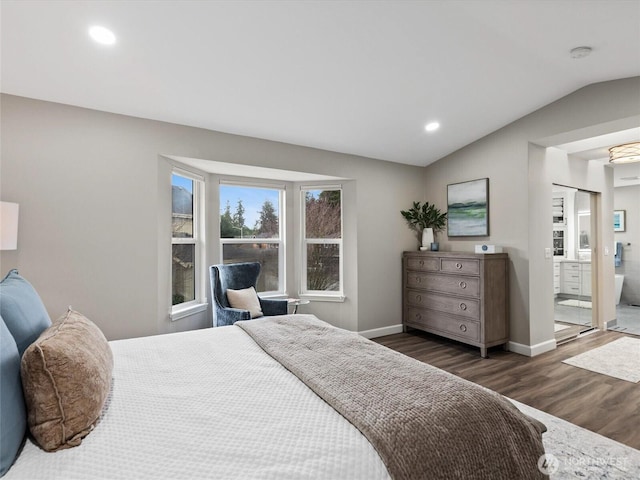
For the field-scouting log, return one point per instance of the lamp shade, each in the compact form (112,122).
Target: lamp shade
(627,153)
(8,226)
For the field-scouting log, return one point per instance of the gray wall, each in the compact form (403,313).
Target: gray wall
(628,198)
(94,191)
(514,159)
(94,195)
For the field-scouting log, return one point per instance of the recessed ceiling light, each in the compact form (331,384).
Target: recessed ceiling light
(432,127)
(102,35)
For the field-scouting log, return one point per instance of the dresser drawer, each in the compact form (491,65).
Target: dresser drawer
(456,326)
(571,276)
(424,264)
(460,265)
(571,288)
(458,285)
(571,266)
(465,307)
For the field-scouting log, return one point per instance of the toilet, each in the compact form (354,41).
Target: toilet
(619,279)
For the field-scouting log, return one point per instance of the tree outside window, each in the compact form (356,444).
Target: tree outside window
(323,240)
(251,231)
(184,239)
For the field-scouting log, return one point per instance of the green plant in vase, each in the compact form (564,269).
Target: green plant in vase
(427,221)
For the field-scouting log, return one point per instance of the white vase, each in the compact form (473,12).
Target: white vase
(427,237)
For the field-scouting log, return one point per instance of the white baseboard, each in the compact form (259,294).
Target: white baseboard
(381,332)
(529,351)
(532,350)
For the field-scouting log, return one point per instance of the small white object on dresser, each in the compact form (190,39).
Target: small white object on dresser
(488,249)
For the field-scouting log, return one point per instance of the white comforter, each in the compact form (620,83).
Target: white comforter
(207,404)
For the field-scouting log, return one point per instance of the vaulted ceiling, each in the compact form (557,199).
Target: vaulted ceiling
(359,77)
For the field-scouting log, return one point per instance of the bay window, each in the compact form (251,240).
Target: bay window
(322,241)
(186,240)
(252,230)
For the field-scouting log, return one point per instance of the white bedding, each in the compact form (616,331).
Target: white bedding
(207,404)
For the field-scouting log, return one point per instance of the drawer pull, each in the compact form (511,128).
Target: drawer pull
(418,280)
(421,263)
(463,327)
(419,298)
(418,316)
(463,306)
(458,265)
(463,284)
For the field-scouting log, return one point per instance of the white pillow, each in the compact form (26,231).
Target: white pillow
(245,299)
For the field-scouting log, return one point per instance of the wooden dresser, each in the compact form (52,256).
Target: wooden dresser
(462,296)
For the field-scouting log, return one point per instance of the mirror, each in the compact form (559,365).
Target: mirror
(584,231)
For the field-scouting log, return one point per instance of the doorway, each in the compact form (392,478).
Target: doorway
(573,244)
(626,201)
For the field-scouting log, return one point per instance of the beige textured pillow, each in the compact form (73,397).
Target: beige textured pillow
(245,299)
(66,377)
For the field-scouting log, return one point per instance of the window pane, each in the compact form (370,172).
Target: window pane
(323,267)
(264,253)
(182,206)
(249,212)
(322,214)
(183,274)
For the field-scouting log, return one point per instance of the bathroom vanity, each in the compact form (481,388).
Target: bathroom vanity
(575,277)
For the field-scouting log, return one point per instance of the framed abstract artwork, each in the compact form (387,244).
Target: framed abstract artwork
(619,218)
(468,208)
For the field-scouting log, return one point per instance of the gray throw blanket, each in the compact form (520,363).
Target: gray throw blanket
(424,423)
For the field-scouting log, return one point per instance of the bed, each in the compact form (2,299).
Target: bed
(207,404)
(213,404)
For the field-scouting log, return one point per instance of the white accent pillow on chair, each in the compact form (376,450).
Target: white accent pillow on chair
(245,299)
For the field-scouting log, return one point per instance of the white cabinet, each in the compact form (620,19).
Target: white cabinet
(556,278)
(570,278)
(575,278)
(559,206)
(559,242)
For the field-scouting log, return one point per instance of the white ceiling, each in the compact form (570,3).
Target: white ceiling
(360,77)
(596,149)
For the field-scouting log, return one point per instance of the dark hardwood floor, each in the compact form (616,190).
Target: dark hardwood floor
(599,403)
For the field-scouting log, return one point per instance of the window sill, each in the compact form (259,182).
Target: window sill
(181,312)
(324,298)
(273,296)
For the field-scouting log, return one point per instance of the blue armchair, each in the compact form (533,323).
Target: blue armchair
(237,276)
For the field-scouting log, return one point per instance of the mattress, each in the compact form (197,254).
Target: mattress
(207,404)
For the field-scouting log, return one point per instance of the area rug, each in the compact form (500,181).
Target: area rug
(558,327)
(575,303)
(574,452)
(619,359)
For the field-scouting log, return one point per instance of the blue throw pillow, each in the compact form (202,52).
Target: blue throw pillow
(22,310)
(13,415)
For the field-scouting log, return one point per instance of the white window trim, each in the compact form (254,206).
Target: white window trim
(320,295)
(186,309)
(199,304)
(282,271)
